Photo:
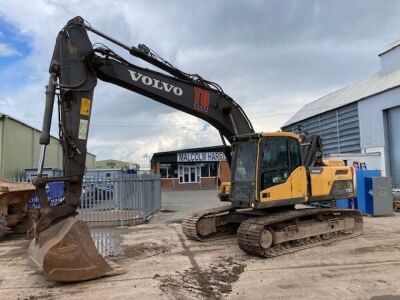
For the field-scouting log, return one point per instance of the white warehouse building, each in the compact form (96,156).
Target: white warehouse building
(361,118)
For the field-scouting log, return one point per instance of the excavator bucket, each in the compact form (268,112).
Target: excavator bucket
(66,252)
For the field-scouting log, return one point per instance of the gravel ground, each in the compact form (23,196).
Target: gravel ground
(162,264)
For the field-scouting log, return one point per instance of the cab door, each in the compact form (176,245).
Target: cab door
(282,175)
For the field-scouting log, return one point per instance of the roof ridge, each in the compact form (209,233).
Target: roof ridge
(390,46)
(348,94)
(345,87)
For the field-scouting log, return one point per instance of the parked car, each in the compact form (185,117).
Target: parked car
(95,192)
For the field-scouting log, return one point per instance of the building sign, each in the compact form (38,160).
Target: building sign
(200,156)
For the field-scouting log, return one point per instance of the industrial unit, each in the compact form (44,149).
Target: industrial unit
(188,169)
(363,117)
(116,164)
(20,148)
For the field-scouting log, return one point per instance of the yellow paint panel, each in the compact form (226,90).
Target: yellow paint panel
(225,188)
(277,192)
(299,182)
(294,187)
(85,107)
(342,173)
(321,181)
(333,163)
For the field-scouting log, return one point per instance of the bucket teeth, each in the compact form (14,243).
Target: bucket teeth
(65,252)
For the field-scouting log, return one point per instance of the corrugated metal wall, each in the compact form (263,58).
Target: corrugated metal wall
(19,149)
(393,125)
(338,128)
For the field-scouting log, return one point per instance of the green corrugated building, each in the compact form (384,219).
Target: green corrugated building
(20,148)
(115,164)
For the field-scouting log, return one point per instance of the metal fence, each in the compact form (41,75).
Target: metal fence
(121,199)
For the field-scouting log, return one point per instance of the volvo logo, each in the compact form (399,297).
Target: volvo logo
(155,83)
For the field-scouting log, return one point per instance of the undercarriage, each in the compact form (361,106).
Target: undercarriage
(270,233)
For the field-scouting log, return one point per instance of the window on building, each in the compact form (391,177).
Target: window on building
(164,172)
(205,170)
(213,169)
(173,171)
(168,170)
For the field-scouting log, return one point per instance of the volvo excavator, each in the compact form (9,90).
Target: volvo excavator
(279,181)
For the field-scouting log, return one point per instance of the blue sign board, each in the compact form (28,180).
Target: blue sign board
(55,194)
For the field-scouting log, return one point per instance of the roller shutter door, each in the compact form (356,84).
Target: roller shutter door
(393,118)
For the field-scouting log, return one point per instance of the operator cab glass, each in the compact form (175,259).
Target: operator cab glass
(244,161)
(279,157)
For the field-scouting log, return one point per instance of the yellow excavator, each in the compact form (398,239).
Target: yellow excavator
(279,184)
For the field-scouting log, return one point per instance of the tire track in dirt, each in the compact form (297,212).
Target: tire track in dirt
(213,282)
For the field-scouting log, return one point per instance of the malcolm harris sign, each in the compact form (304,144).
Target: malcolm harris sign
(200,156)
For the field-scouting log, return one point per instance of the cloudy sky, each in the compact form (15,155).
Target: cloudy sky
(272,57)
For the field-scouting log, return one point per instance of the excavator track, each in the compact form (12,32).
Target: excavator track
(282,233)
(190,224)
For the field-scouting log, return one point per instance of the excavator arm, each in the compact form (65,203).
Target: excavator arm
(74,69)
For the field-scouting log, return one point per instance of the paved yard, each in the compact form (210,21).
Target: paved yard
(162,264)
(176,205)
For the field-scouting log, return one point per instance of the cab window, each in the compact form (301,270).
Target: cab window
(294,154)
(274,162)
(279,156)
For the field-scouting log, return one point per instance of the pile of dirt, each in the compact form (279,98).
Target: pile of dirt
(214,282)
(145,249)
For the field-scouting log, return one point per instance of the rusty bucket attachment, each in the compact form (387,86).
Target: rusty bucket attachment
(66,252)
(14,198)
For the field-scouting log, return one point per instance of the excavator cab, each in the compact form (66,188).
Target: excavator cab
(267,170)
(272,169)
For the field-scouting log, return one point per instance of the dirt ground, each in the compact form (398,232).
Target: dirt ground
(162,264)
